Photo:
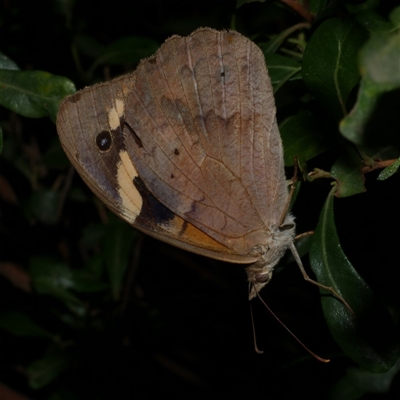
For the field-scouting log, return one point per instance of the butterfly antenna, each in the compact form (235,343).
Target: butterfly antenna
(256,349)
(324,360)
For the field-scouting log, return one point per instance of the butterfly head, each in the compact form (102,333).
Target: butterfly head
(269,254)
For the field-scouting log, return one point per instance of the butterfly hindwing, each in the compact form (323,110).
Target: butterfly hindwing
(90,125)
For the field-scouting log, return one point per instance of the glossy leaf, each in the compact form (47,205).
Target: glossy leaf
(389,171)
(303,137)
(359,7)
(330,63)
(373,22)
(33,94)
(7,63)
(359,382)
(347,172)
(378,96)
(379,60)
(375,350)
(356,127)
(276,41)
(281,69)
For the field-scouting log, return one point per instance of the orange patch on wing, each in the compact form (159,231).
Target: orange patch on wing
(186,232)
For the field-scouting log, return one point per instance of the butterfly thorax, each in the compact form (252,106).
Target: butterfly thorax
(260,272)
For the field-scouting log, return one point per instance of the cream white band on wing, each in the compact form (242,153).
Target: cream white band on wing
(130,197)
(116,113)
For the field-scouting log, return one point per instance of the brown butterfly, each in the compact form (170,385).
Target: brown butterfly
(187,150)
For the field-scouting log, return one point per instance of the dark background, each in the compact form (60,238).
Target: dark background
(183,326)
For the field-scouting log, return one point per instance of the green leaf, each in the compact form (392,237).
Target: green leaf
(281,69)
(373,22)
(118,243)
(48,368)
(276,41)
(330,63)
(303,137)
(33,94)
(359,382)
(7,63)
(375,119)
(363,6)
(374,109)
(21,325)
(347,171)
(389,171)
(375,350)
(379,60)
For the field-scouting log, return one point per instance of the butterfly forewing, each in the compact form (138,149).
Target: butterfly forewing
(204,112)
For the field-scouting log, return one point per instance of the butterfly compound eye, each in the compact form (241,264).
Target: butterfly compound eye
(263,278)
(286,227)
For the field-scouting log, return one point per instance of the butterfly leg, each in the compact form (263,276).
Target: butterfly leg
(309,233)
(288,204)
(308,279)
